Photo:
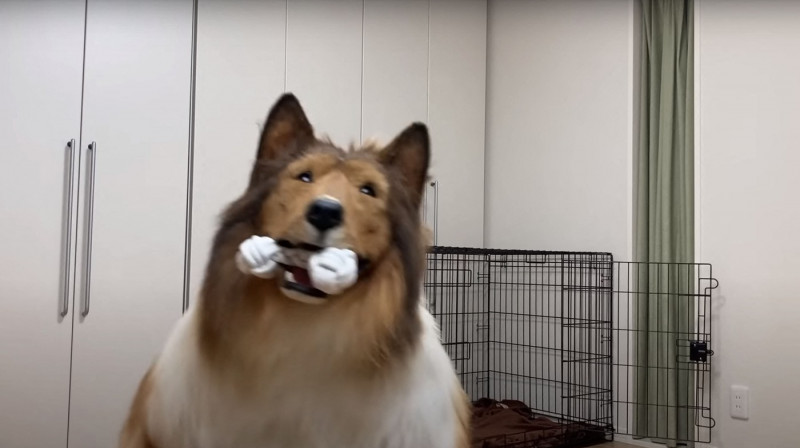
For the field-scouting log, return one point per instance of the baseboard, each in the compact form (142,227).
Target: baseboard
(644,443)
(631,441)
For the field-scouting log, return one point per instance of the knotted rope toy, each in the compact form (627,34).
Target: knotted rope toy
(329,271)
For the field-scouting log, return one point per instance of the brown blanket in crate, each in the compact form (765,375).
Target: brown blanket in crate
(511,423)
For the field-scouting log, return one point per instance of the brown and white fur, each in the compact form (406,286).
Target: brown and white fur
(248,367)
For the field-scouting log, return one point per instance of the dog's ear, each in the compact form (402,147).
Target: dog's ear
(287,130)
(409,155)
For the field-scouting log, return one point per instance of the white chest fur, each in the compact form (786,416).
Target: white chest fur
(302,404)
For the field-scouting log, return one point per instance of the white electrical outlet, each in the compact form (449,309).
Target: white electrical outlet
(740,402)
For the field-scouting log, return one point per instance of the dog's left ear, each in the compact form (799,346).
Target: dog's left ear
(286,133)
(409,155)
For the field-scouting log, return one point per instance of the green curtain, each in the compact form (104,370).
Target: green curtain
(664,224)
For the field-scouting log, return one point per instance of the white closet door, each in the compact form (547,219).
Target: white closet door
(457,110)
(41,49)
(241,67)
(136,109)
(323,64)
(395,87)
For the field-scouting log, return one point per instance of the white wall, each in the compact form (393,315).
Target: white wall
(749,213)
(559,131)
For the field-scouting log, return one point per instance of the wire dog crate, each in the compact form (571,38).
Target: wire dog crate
(569,348)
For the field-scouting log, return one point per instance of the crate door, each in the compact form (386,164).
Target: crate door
(661,344)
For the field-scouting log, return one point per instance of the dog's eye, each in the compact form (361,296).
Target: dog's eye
(306,177)
(368,190)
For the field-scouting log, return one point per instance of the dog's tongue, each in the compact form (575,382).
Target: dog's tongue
(301,276)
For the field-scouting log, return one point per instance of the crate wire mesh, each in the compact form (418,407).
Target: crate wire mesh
(565,333)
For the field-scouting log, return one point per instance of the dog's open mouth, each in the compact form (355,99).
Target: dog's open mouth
(296,278)
(297,282)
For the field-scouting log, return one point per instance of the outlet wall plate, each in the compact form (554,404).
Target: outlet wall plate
(740,402)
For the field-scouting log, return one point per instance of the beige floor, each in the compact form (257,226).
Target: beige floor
(616,445)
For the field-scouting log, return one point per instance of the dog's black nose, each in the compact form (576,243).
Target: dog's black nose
(324,214)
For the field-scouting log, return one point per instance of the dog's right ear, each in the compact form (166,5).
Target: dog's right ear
(286,132)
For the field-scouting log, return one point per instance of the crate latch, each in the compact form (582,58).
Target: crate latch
(699,352)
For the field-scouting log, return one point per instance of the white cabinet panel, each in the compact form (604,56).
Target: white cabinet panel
(395,89)
(241,66)
(324,49)
(41,49)
(457,108)
(136,107)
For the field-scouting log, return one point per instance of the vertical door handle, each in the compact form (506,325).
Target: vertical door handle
(64,308)
(91,160)
(435,185)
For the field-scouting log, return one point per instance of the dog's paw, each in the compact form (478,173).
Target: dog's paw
(256,255)
(333,270)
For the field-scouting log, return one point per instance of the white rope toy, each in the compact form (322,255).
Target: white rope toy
(256,256)
(331,270)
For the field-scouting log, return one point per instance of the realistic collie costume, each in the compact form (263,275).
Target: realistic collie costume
(310,329)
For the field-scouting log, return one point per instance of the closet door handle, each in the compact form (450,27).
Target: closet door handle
(91,159)
(68,230)
(435,185)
